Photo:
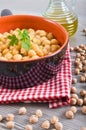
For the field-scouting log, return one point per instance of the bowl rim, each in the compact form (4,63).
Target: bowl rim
(45,19)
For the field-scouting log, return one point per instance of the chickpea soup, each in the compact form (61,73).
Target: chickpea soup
(27,44)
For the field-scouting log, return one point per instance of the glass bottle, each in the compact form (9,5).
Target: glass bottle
(59,11)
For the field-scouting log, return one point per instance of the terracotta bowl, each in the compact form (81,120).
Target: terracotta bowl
(12,69)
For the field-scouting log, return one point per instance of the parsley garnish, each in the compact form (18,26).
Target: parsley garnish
(25,39)
(14,40)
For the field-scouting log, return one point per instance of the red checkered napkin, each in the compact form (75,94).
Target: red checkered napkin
(56,90)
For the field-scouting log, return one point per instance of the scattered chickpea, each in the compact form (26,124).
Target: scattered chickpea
(69,114)
(54,119)
(83,128)
(74,96)
(53,129)
(33,119)
(73,109)
(73,90)
(58,126)
(46,124)
(28,127)
(84,109)
(84,100)
(76,71)
(83,92)
(79,101)
(78,55)
(22,111)
(10,124)
(10,117)
(71,49)
(82,79)
(39,113)
(74,81)
(73,101)
(1,118)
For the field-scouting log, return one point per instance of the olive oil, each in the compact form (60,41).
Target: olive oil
(59,11)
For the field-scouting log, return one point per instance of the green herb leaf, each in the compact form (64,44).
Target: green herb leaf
(25,39)
(14,40)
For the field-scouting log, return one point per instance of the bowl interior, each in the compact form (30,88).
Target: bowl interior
(12,22)
(36,22)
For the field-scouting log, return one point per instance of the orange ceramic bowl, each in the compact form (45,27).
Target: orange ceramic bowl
(7,68)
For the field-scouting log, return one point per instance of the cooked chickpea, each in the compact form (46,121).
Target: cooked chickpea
(10,124)
(49,36)
(54,119)
(39,113)
(1,118)
(33,119)
(42,43)
(22,111)
(46,124)
(69,114)
(17,57)
(10,117)
(84,109)
(28,127)
(58,126)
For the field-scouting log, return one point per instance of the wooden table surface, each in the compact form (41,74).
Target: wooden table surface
(79,119)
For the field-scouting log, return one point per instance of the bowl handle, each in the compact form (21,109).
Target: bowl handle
(6,12)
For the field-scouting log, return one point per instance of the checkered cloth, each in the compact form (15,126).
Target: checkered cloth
(55,91)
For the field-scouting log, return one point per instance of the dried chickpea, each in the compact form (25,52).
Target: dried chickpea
(28,127)
(84,68)
(78,55)
(39,113)
(53,129)
(33,119)
(83,128)
(58,126)
(22,111)
(1,118)
(83,92)
(73,109)
(73,90)
(84,109)
(74,80)
(74,96)
(71,49)
(10,117)
(54,119)
(10,124)
(46,124)
(69,114)
(76,71)
(84,101)
(80,102)
(73,101)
